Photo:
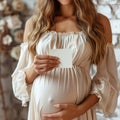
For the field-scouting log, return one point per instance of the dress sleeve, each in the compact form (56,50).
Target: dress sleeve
(20,89)
(105,83)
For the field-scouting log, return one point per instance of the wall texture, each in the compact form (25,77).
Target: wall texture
(30,3)
(14,111)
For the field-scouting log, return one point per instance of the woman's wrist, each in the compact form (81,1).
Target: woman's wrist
(80,110)
(89,102)
(30,74)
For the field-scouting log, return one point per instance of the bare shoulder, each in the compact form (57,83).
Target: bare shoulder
(30,21)
(29,26)
(107,27)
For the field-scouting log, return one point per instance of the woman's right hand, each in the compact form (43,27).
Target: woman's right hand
(41,64)
(44,63)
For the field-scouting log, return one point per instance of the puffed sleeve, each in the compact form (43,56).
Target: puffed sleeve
(105,83)
(20,89)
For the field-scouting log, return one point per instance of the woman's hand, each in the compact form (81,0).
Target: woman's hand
(68,112)
(44,63)
(71,111)
(41,64)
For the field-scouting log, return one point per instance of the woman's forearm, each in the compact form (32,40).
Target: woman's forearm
(89,102)
(30,75)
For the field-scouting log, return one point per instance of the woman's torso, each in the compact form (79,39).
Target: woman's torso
(63,85)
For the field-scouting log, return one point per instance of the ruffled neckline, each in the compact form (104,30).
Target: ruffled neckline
(65,33)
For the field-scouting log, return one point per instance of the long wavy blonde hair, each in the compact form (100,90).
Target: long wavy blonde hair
(87,21)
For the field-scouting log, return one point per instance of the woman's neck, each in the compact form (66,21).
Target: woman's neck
(67,10)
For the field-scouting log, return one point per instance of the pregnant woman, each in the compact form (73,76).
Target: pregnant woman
(57,93)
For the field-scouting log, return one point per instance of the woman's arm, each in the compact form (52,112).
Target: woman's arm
(41,63)
(30,73)
(88,103)
(92,99)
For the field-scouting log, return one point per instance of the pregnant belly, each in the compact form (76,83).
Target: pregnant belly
(59,86)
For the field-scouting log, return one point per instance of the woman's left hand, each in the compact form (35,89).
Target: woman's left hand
(68,112)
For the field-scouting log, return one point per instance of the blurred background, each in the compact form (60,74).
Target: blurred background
(13,15)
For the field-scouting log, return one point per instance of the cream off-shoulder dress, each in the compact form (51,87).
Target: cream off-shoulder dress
(67,85)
